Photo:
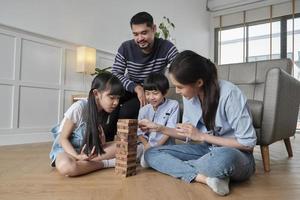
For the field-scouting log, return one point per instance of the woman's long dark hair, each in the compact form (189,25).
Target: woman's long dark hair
(96,119)
(187,68)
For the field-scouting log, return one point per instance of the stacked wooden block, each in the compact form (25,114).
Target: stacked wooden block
(126,141)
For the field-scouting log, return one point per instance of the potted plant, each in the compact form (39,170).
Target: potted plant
(100,71)
(164,28)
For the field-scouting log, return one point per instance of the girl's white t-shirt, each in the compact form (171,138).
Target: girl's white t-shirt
(77,113)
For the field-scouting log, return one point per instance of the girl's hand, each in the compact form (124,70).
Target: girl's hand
(189,131)
(84,157)
(102,135)
(148,126)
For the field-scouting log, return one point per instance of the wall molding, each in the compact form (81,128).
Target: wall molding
(54,93)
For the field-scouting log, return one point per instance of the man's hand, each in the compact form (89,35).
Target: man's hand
(139,90)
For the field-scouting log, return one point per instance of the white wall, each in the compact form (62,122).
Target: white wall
(37,53)
(37,80)
(105,24)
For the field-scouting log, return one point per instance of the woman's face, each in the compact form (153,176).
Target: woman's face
(188,91)
(106,101)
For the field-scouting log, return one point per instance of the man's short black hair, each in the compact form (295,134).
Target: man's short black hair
(157,81)
(142,18)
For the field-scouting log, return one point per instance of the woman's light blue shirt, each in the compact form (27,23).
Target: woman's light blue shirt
(233,117)
(166,114)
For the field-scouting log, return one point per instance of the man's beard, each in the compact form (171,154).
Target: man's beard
(148,46)
(145,46)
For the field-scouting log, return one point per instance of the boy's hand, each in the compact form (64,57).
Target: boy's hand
(147,146)
(148,126)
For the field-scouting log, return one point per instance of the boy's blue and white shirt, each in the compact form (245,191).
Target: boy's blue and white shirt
(233,117)
(167,114)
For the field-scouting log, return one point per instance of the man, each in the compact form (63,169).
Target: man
(134,61)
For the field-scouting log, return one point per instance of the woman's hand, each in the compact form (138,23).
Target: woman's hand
(189,131)
(148,126)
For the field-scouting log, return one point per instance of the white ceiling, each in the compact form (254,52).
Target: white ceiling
(220,5)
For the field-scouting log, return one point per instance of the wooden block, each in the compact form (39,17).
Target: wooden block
(125,173)
(126,161)
(124,169)
(122,152)
(125,136)
(124,126)
(128,121)
(124,146)
(125,157)
(127,131)
(125,165)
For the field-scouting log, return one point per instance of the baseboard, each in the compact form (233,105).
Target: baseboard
(12,139)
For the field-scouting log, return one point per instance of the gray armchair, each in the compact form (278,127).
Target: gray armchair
(273,97)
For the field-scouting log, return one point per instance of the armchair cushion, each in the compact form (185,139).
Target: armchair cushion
(256,108)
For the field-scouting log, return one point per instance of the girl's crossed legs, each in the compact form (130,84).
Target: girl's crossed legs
(67,165)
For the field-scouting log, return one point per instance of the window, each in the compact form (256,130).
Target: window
(231,43)
(296,44)
(289,49)
(259,39)
(252,42)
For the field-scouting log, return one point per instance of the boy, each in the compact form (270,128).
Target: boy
(159,110)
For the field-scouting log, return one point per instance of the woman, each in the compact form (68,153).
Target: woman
(217,116)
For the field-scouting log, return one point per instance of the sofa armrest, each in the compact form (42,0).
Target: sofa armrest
(281,106)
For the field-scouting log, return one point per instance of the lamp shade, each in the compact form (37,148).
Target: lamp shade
(86,60)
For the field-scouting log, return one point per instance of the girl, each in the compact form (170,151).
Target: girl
(79,146)
(160,110)
(215,114)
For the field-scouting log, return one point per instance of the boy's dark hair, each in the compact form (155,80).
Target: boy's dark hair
(142,18)
(157,81)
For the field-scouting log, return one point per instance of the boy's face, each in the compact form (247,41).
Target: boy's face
(143,35)
(154,97)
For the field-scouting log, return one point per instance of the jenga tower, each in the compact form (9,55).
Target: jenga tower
(126,147)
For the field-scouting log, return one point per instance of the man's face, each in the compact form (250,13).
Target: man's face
(143,35)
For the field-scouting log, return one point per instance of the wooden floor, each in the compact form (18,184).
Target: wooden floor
(25,174)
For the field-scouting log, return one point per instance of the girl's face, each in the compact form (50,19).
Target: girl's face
(106,101)
(154,97)
(188,91)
